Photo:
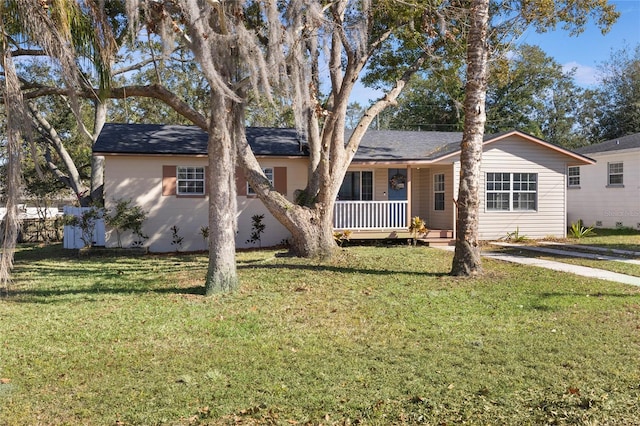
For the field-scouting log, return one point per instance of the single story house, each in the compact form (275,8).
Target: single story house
(607,195)
(395,175)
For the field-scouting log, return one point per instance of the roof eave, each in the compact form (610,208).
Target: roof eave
(579,158)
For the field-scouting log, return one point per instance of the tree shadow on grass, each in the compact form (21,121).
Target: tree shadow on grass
(93,279)
(343,270)
(549,301)
(88,294)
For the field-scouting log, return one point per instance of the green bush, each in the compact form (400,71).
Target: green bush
(125,217)
(578,230)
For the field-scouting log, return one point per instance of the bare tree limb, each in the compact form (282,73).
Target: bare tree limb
(154,91)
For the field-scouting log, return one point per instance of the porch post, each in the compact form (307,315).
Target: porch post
(455,217)
(408,196)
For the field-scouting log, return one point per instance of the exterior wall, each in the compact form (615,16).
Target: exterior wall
(516,155)
(604,206)
(423,197)
(140,179)
(420,193)
(441,219)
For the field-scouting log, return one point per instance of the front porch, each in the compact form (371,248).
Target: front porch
(383,220)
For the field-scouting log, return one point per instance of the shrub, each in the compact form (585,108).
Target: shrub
(516,236)
(416,228)
(578,230)
(340,237)
(176,238)
(257,228)
(126,217)
(86,222)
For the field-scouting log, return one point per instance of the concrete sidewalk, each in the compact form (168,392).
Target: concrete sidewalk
(565,267)
(575,252)
(559,266)
(577,247)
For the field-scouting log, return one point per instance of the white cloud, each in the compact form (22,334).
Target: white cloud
(584,74)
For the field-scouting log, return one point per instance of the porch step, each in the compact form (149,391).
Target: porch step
(438,237)
(437,233)
(437,242)
(434,237)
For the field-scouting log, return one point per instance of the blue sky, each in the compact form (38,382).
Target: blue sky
(583,52)
(590,48)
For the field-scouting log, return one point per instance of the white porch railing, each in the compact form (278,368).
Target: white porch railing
(370,215)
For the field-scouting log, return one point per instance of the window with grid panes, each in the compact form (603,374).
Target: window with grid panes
(511,191)
(573,176)
(190,180)
(438,191)
(615,174)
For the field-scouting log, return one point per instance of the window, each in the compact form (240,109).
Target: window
(498,191)
(525,190)
(511,191)
(573,174)
(190,180)
(615,174)
(268,172)
(356,186)
(438,191)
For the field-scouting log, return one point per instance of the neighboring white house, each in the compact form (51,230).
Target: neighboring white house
(607,194)
(394,176)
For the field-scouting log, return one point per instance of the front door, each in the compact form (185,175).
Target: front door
(397,184)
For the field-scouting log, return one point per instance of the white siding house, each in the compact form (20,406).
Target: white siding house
(607,194)
(522,187)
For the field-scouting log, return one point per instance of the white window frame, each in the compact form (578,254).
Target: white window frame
(525,191)
(508,192)
(361,186)
(615,169)
(438,192)
(268,172)
(573,176)
(190,180)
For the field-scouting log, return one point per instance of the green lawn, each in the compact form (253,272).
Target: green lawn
(378,336)
(608,265)
(609,239)
(622,239)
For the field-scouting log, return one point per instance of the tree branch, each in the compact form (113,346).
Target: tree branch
(154,91)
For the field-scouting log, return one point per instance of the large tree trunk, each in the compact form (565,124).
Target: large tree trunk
(221,272)
(16,121)
(466,261)
(313,238)
(311,226)
(97,162)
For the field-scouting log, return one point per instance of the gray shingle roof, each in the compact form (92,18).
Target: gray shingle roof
(624,142)
(376,145)
(392,145)
(188,140)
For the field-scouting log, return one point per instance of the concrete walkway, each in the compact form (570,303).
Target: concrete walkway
(575,252)
(563,267)
(592,248)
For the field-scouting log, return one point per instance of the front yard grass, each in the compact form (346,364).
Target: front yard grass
(620,239)
(606,240)
(608,265)
(377,336)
